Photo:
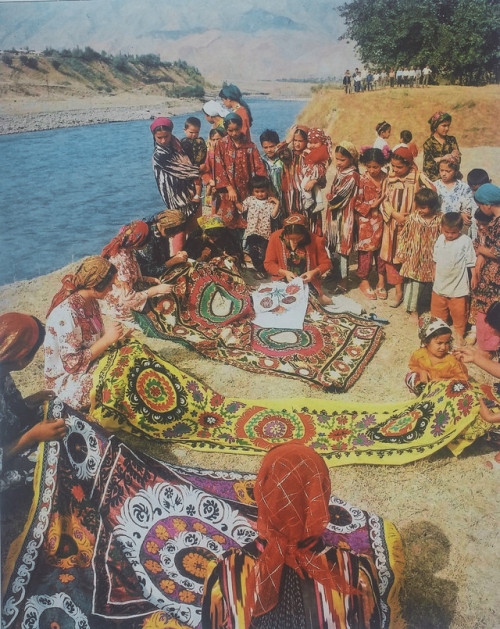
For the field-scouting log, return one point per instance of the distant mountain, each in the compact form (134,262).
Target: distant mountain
(248,39)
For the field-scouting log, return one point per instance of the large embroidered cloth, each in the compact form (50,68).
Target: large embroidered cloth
(137,391)
(118,539)
(211,311)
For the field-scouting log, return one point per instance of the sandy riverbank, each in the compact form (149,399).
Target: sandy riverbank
(20,114)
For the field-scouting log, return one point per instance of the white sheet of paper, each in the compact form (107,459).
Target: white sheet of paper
(281,304)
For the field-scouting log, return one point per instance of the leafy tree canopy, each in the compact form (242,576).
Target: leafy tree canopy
(459,39)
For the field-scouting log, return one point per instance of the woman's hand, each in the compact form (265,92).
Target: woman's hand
(151,280)
(308,276)
(310,185)
(376,202)
(487,414)
(466,354)
(231,193)
(423,376)
(161,289)
(288,275)
(51,430)
(114,332)
(38,398)
(466,218)
(399,217)
(179,258)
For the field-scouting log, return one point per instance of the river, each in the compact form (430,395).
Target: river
(65,192)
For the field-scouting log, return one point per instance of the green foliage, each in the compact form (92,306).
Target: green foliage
(56,64)
(121,64)
(185,91)
(7,59)
(149,61)
(29,62)
(459,39)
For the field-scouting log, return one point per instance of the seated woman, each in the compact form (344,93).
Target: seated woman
(21,429)
(155,257)
(213,239)
(294,251)
(126,293)
(288,577)
(75,331)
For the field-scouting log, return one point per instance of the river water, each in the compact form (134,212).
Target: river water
(64,193)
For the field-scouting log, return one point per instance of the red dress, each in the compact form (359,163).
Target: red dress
(235,166)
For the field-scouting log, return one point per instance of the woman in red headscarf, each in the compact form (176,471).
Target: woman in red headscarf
(294,251)
(125,294)
(288,578)
(21,429)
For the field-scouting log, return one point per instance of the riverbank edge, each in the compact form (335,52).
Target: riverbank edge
(48,115)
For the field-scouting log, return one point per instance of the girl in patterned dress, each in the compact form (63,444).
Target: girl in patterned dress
(439,144)
(400,187)
(339,228)
(415,250)
(294,172)
(370,222)
(455,194)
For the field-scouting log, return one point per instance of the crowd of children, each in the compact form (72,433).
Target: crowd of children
(422,231)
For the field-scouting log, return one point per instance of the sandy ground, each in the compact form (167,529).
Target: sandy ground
(18,115)
(444,507)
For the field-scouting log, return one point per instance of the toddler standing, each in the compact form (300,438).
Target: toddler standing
(415,250)
(195,148)
(453,255)
(260,210)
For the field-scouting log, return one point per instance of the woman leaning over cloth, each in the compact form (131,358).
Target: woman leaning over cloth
(294,251)
(21,429)
(175,175)
(75,331)
(288,578)
(127,294)
(439,144)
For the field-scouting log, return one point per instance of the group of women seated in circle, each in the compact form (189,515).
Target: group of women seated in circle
(288,574)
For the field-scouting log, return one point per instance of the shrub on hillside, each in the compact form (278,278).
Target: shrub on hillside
(29,62)
(56,64)
(7,59)
(186,91)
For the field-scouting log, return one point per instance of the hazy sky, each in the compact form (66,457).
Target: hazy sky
(285,38)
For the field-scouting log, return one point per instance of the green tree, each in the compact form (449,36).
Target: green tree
(459,38)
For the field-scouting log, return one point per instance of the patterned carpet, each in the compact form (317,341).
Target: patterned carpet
(137,391)
(211,311)
(118,539)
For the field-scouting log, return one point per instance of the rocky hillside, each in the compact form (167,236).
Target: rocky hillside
(85,72)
